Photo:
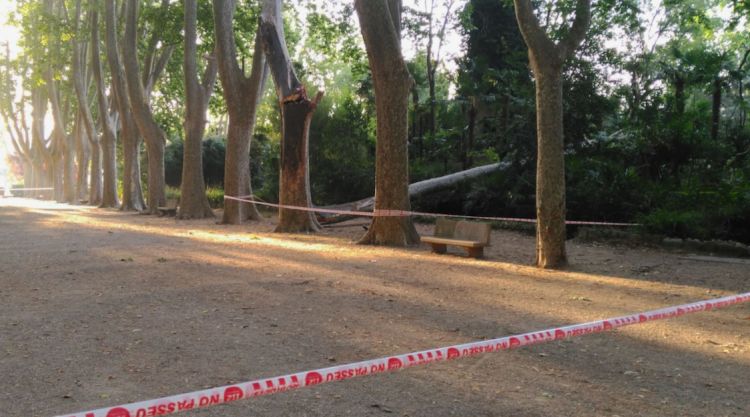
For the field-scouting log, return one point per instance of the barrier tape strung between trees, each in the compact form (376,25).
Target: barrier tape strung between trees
(405,213)
(229,393)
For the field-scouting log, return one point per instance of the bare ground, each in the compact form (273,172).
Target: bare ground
(99,308)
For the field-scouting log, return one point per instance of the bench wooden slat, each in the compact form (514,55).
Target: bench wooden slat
(455,242)
(170,209)
(472,236)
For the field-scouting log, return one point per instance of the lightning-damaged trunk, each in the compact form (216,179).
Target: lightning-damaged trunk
(296,114)
(294,185)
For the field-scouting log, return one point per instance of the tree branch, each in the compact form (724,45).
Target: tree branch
(534,35)
(226,50)
(288,86)
(209,74)
(578,31)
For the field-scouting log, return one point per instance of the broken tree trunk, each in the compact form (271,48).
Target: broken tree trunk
(416,189)
(296,115)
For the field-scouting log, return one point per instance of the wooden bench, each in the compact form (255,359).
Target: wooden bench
(472,236)
(170,209)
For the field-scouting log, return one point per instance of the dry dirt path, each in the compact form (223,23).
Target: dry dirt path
(99,308)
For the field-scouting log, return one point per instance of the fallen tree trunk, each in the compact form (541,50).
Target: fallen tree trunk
(416,189)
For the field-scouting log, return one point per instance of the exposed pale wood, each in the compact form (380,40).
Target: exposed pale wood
(446,181)
(716,259)
(416,189)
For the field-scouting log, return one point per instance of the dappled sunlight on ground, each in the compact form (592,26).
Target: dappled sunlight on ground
(176,297)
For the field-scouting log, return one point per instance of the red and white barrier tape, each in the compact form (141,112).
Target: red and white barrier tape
(406,213)
(311,209)
(220,395)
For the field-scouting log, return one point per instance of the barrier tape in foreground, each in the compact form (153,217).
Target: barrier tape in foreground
(229,393)
(405,213)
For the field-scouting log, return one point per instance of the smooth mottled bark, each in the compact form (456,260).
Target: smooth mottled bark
(547,59)
(132,193)
(296,115)
(138,92)
(87,139)
(18,129)
(41,152)
(88,162)
(193,200)
(108,139)
(242,95)
(63,147)
(380,24)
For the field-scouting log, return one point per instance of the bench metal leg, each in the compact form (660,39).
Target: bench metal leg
(439,248)
(475,252)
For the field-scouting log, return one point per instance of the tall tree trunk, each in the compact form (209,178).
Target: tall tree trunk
(547,59)
(152,134)
(296,115)
(85,131)
(96,189)
(107,141)
(716,109)
(550,172)
(381,28)
(18,130)
(70,180)
(63,146)
(40,153)
(193,200)
(57,172)
(85,158)
(132,193)
(243,95)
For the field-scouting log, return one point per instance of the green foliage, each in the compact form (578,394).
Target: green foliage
(341,152)
(172,193)
(639,112)
(213,162)
(215,197)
